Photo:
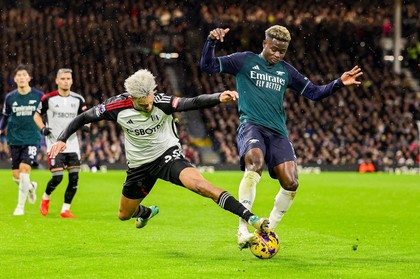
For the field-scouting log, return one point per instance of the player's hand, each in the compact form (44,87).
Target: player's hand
(85,129)
(46,131)
(228,96)
(56,148)
(218,33)
(350,77)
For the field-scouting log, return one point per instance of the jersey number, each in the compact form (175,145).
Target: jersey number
(176,154)
(32,151)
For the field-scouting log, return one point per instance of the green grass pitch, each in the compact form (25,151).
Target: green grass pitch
(341,225)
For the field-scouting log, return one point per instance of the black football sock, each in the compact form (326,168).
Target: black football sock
(229,203)
(71,187)
(143,212)
(54,181)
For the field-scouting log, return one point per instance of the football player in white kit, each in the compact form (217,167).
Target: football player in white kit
(60,107)
(152,146)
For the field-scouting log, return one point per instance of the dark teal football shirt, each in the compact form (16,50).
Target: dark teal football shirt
(261,86)
(20,110)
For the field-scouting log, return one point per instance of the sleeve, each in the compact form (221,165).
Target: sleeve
(201,101)
(42,106)
(230,64)
(208,62)
(108,110)
(303,86)
(316,93)
(3,122)
(233,63)
(6,107)
(171,104)
(82,105)
(86,117)
(5,112)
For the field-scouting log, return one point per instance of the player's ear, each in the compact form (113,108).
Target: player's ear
(264,43)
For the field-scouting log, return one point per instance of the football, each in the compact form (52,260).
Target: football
(266,245)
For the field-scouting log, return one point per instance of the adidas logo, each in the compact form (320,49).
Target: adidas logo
(130,122)
(15,104)
(251,141)
(31,102)
(56,106)
(280,73)
(256,67)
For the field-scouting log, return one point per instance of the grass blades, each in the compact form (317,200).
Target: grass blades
(341,225)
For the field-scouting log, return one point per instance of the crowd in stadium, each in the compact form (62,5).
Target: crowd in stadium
(375,121)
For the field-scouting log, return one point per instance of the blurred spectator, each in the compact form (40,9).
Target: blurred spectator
(378,118)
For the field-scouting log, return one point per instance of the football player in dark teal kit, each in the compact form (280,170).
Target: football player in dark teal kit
(261,81)
(23,136)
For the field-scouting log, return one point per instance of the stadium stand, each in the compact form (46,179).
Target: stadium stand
(105,41)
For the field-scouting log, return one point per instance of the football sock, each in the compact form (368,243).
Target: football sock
(282,203)
(246,194)
(54,181)
(17,181)
(229,203)
(24,185)
(71,187)
(143,212)
(65,207)
(45,196)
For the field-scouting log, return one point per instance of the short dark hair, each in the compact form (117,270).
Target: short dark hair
(23,67)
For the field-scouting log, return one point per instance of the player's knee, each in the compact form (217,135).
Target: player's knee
(73,178)
(123,216)
(255,164)
(254,160)
(56,179)
(291,184)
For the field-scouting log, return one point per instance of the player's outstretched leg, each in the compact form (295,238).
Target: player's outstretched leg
(142,221)
(260,224)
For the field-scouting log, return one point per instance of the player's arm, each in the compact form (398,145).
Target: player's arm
(203,101)
(83,108)
(319,92)
(86,117)
(79,121)
(40,123)
(305,87)
(209,62)
(314,92)
(5,116)
(3,123)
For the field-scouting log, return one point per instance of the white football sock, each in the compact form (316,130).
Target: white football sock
(66,206)
(45,196)
(282,203)
(24,186)
(247,191)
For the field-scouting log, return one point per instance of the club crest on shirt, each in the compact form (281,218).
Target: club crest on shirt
(154,118)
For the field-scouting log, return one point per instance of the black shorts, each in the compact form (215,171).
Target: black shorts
(140,181)
(64,160)
(23,154)
(276,148)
